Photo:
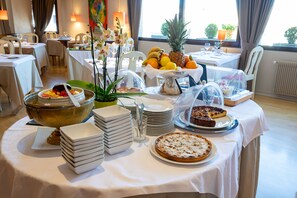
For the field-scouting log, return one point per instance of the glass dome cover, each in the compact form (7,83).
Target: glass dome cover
(131,82)
(231,81)
(209,94)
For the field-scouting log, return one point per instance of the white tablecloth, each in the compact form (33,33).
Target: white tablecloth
(28,173)
(18,76)
(229,60)
(75,61)
(88,74)
(38,50)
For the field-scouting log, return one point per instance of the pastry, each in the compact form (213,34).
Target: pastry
(205,115)
(183,147)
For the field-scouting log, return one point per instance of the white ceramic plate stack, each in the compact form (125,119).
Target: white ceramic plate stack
(82,146)
(115,122)
(160,117)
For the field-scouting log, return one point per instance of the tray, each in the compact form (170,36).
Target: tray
(178,123)
(232,103)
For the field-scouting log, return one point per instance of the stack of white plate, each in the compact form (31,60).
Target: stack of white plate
(115,122)
(159,117)
(82,146)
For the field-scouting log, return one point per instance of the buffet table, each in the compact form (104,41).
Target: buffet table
(136,172)
(229,60)
(18,76)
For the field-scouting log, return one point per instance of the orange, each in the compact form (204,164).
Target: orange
(153,62)
(191,64)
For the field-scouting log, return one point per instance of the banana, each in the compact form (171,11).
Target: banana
(156,49)
(144,62)
(154,55)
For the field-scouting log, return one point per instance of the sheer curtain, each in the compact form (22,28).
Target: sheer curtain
(134,13)
(253,16)
(42,11)
(4,24)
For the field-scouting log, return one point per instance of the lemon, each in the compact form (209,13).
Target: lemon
(164,60)
(162,68)
(170,66)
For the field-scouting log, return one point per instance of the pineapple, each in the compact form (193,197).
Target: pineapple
(177,34)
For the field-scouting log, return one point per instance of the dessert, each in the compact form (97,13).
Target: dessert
(205,115)
(128,90)
(183,147)
(58,91)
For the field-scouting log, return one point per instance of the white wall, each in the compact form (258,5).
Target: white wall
(19,16)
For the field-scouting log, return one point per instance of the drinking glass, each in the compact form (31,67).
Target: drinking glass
(140,129)
(207,46)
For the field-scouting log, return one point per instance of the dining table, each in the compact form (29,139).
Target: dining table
(220,59)
(18,76)
(137,172)
(75,62)
(38,50)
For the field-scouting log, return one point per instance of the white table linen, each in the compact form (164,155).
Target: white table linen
(75,62)
(88,73)
(18,76)
(38,50)
(133,172)
(229,60)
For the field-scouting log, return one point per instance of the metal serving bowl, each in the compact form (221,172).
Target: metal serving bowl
(58,116)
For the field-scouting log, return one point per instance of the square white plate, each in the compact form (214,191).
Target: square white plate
(40,141)
(118,136)
(82,162)
(83,142)
(89,149)
(82,146)
(81,153)
(85,157)
(117,149)
(111,112)
(116,144)
(126,130)
(126,125)
(113,124)
(118,140)
(86,167)
(82,131)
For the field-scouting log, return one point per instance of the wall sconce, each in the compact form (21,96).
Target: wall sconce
(3,15)
(73,18)
(120,16)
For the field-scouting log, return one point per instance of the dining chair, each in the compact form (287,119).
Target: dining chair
(132,57)
(31,37)
(3,44)
(51,35)
(252,65)
(13,39)
(81,38)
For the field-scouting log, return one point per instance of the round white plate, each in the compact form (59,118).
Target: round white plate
(220,122)
(213,153)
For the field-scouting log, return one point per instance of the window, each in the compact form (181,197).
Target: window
(53,26)
(281,19)
(199,14)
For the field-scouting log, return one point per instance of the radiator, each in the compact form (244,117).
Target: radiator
(286,78)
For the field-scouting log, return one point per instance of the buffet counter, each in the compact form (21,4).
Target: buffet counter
(233,170)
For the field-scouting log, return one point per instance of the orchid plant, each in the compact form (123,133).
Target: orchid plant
(104,87)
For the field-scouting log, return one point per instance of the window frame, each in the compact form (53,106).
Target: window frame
(234,44)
